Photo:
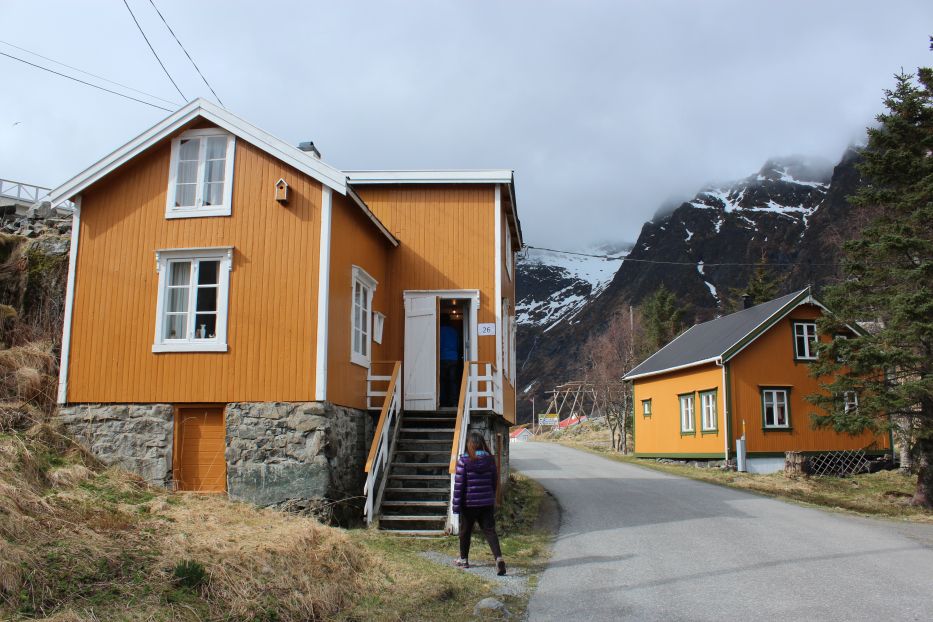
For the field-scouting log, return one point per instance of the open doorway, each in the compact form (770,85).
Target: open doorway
(453,343)
(440,336)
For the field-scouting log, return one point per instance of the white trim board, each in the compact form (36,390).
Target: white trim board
(323,297)
(497,240)
(220,117)
(461,176)
(69,304)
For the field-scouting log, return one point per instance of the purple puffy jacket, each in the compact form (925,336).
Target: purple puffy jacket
(475,482)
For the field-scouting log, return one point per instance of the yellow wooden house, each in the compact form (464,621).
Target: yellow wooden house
(242,317)
(746,374)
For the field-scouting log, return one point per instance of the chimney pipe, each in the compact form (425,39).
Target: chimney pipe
(747,301)
(308,146)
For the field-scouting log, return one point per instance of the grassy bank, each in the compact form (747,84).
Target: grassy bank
(884,494)
(81,542)
(451,593)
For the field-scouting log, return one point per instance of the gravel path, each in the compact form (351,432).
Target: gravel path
(636,544)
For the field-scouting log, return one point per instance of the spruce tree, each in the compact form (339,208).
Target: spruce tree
(887,286)
(662,317)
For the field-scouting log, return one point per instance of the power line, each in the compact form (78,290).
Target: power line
(681,263)
(217,97)
(133,15)
(96,86)
(88,73)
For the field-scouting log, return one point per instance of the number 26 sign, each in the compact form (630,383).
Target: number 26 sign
(488,328)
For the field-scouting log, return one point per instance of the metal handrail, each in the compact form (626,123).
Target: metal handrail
(383,445)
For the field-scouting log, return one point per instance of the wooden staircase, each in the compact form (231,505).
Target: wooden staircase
(409,471)
(417,493)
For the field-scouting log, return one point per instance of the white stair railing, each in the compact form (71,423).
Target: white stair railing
(383,445)
(477,392)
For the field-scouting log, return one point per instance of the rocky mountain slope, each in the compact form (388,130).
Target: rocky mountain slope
(792,213)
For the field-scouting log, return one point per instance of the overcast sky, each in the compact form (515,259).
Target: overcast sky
(604,109)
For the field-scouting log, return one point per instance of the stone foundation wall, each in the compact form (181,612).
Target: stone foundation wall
(136,437)
(306,456)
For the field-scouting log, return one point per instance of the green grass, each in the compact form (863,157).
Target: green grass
(884,494)
(437,592)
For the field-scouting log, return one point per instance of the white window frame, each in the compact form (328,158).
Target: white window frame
(379,320)
(785,402)
(199,211)
(368,283)
(219,343)
(508,250)
(709,417)
(688,424)
(506,340)
(810,337)
(849,401)
(646,407)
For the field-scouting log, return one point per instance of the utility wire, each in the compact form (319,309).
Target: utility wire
(88,73)
(96,86)
(217,97)
(679,263)
(133,15)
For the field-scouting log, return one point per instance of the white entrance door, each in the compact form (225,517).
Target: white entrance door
(420,365)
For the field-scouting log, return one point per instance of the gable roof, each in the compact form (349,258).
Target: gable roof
(720,339)
(201,108)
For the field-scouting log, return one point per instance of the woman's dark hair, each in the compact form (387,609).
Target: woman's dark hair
(476,442)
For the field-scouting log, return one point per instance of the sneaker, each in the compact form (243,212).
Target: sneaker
(500,567)
(462,563)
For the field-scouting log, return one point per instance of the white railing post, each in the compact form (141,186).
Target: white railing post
(381,449)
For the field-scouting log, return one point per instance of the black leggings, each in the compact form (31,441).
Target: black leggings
(487,522)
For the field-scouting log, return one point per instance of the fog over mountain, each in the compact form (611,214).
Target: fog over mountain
(604,109)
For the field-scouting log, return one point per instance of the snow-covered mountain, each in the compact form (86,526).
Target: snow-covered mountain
(793,213)
(553,286)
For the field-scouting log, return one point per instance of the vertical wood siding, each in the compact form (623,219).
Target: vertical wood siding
(273,287)
(354,241)
(769,362)
(660,434)
(444,234)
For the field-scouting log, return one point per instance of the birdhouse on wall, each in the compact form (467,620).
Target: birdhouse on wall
(281,191)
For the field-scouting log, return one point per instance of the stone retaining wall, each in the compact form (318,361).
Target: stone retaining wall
(136,437)
(305,457)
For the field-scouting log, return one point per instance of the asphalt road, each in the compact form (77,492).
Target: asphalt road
(636,544)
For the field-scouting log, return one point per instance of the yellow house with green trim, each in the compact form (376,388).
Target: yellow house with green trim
(744,374)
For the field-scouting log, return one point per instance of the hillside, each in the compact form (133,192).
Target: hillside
(792,210)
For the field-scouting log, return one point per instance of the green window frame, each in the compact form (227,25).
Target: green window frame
(646,407)
(805,340)
(709,411)
(775,405)
(688,414)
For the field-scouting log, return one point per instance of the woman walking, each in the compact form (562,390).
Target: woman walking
(475,486)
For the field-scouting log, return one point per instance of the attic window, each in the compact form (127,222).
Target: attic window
(805,341)
(200,174)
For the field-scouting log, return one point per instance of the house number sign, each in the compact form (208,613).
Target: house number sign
(488,328)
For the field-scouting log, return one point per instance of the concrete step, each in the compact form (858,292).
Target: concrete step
(422,465)
(416,533)
(406,518)
(427,430)
(414,503)
(432,478)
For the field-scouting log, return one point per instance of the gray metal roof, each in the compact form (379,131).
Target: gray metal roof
(710,340)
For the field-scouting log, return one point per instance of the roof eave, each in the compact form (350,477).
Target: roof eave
(715,359)
(324,173)
(369,213)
